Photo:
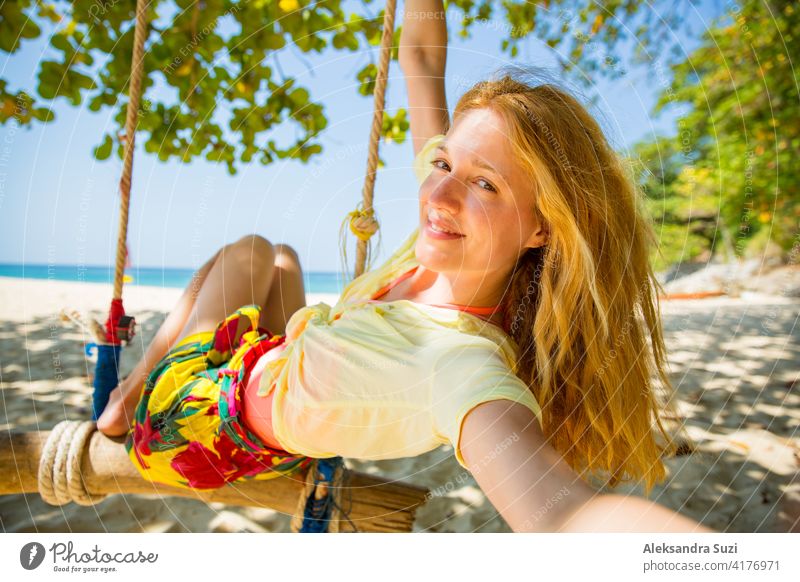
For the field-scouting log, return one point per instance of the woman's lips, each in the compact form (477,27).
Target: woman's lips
(440,235)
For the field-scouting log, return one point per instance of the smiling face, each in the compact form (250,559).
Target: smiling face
(477,189)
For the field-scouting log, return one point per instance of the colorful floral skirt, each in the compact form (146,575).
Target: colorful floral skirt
(186,431)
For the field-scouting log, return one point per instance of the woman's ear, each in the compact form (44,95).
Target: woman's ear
(539,237)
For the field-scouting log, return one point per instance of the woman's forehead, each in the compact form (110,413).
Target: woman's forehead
(482,136)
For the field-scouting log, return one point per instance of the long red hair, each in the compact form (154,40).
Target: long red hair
(584,308)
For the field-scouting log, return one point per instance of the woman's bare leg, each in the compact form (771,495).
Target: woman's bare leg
(126,394)
(286,296)
(287,293)
(239,274)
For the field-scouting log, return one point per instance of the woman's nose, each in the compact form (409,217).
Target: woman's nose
(447,194)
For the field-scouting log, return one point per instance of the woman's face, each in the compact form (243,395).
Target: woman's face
(477,190)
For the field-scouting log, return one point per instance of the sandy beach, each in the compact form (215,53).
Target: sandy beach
(735,364)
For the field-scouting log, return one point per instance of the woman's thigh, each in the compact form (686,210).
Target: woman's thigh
(241,275)
(287,291)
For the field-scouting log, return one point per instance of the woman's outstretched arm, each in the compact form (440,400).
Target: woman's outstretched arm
(422,56)
(535,490)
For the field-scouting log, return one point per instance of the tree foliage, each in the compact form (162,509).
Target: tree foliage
(214,86)
(680,198)
(730,164)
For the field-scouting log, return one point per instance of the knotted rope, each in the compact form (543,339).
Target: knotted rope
(60,478)
(362,220)
(131,120)
(319,508)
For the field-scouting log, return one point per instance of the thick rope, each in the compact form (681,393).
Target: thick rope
(308,490)
(323,496)
(45,477)
(60,477)
(132,116)
(362,221)
(363,224)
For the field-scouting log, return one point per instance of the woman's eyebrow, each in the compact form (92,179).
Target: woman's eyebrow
(475,161)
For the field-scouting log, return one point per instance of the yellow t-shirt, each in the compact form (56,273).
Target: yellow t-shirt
(390,379)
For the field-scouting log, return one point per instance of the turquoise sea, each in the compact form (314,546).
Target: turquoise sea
(315,281)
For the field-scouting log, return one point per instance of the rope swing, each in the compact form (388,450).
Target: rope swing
(63,459)
(362,220)
(120,327)
(60,478)
(319,508)
(86,466)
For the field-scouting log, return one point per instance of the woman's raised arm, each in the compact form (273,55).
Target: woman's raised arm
(535,490)
(423,56)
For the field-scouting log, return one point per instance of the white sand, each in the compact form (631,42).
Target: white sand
(735,364)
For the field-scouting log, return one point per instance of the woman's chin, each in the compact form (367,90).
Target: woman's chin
(436,260)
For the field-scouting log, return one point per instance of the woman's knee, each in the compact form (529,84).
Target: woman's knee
(253,250)
(286,256)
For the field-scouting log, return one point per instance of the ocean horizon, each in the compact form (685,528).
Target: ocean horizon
(314,281)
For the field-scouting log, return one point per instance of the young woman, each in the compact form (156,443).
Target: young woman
(518,323)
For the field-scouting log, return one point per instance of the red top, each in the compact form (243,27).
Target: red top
(479,311)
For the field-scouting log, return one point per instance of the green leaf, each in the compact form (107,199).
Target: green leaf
(103,151)
(16,25)
(61,42)
(43,114)
(299,96)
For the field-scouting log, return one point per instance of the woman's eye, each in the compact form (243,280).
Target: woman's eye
(434,162)
(490,188)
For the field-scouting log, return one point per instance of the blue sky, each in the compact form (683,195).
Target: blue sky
(59,206)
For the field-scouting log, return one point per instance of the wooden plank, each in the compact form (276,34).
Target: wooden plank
(375,504)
